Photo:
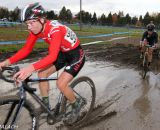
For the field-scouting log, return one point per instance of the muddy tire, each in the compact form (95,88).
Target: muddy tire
(27,118)
(145,68)
(158,54)
(85,88)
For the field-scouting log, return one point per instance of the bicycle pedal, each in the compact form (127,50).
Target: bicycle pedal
(50,120)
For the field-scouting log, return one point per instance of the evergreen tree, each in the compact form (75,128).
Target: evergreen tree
(68,16)
(4,13)
(147,19)
(94,19)
(127,19)
(109,19)
(63,14)
(103,19)
(134,20)
(51,15)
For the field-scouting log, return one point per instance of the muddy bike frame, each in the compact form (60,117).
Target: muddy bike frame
(57,113)
(145,60)
(23,88)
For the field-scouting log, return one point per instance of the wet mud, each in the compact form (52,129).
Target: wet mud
(124,100)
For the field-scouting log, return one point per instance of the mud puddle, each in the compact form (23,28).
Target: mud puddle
(124,101)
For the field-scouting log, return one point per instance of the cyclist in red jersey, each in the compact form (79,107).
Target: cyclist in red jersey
(64,51)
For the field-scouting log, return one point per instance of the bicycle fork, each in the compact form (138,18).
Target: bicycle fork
(18,109)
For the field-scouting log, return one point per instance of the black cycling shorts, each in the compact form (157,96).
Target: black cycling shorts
(72,60)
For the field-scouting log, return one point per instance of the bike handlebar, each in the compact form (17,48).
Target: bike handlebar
(8,78)
(15,68)
(10,71)
(150,46)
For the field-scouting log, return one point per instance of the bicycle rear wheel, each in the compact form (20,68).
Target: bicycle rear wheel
(26,120)
(145,68)
(84,88)
(158,54)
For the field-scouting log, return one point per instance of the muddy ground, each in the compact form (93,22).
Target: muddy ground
(124,100)
(123,52)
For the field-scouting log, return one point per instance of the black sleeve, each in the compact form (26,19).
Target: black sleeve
(144,36)
(156,37)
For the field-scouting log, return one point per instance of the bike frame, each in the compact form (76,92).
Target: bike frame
(22,94)
(59,111)
(146,52)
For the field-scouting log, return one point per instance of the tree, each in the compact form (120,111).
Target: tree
(140,18)
(51,15)
(121,19)
(120,14)
(94,19)
(4,13)
(62,14)
(84,15)
(109,19)
(134,20)
(147,19)
(86,18)
(128,19)
(65,15)
(68,16)
(103,19)
(16,14)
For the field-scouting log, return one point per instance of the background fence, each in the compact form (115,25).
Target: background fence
(13,35)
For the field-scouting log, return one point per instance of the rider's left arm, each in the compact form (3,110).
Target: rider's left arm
(156,40)
(54,49)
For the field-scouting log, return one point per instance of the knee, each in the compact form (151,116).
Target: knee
(150,52)
(60,85)
(42,74)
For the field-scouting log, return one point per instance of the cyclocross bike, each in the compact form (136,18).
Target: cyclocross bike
(17,111)
(145,62)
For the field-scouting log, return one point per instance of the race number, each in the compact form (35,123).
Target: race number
(55,23)
(71,37)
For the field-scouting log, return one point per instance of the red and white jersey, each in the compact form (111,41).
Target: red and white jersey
(58,36)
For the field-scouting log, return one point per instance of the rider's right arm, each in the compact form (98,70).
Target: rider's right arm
(23,52)
(144,36)
(156,38)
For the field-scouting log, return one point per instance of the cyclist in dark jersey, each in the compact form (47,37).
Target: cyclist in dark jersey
(149,37)
(64,51)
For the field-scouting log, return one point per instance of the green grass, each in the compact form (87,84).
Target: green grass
(12,33)
(20,33)
(16,47)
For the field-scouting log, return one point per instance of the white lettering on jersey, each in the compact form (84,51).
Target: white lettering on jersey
(55,23)
(70,36)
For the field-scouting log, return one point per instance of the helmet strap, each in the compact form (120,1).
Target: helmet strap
(42,25)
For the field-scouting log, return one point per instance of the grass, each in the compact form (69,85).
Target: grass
(20,33)
(12,33)
(16,47)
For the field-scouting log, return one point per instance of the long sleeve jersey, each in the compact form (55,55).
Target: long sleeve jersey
(58,36)
(153,38)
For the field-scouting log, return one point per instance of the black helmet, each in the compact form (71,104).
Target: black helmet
(150,27)
(32,11)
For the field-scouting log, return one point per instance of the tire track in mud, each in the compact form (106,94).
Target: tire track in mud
(96,116)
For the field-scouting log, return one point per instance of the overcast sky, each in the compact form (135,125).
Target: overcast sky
(133,7)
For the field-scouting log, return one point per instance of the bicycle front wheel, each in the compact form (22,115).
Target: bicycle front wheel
(84,88)
(26,119)
(145,67)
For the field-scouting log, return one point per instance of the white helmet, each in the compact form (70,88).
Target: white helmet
(32,11)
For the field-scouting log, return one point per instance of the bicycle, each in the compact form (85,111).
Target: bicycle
(12,106)
(145,62)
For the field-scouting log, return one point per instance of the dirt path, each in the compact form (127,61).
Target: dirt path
(124,101)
